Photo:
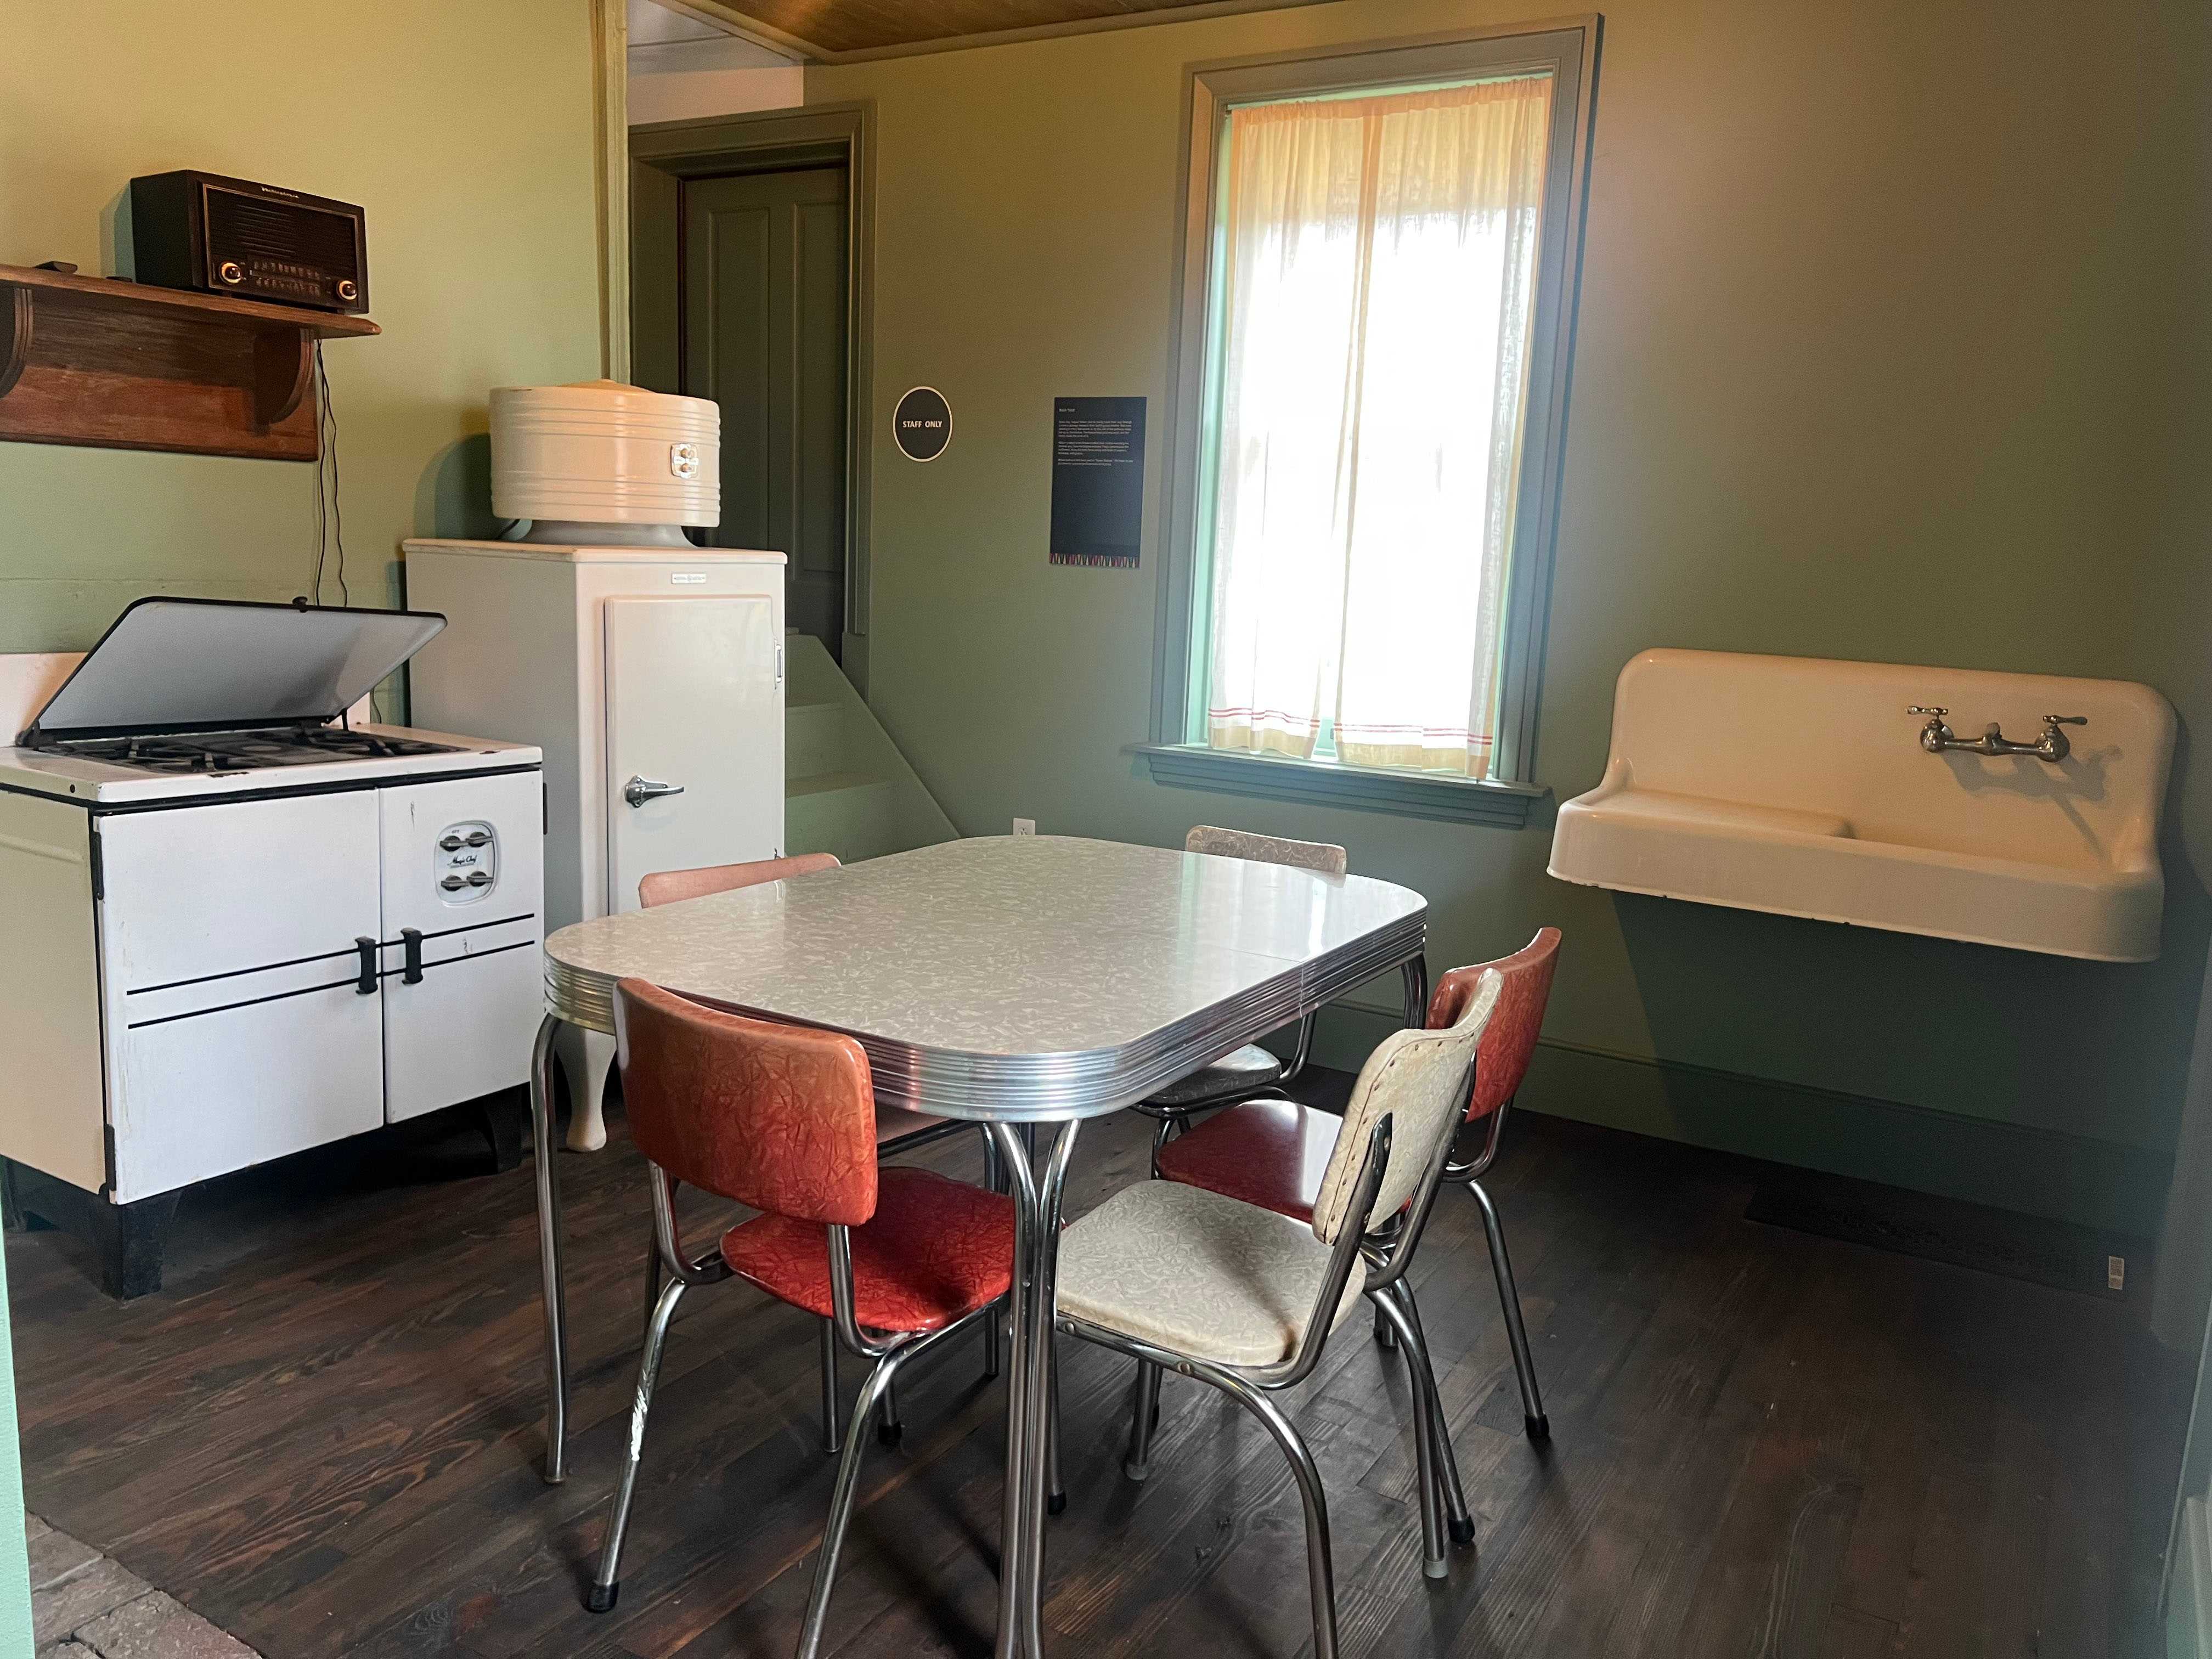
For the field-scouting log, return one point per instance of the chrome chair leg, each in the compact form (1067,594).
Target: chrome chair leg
(1459,1523)
(607,1585)
(1163,1131)
(829,1440)
(1304,1051)
(1386,1334)
(873,1392)
(1320,1570)
(892,1428)
(1144,1417)
(654,1272)
(1056,1494)
(1424,1437)
(994,1177)
(1509,1296)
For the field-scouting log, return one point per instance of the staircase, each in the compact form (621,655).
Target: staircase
(847,788)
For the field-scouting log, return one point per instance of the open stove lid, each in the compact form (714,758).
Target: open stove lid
(228,665)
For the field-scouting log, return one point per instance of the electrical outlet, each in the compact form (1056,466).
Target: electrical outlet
(1025,826)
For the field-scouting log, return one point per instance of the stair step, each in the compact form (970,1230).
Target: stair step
(830,783)
(813,740)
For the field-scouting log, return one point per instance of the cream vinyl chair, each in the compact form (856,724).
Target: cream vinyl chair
(1251,1069)
(1244,1299)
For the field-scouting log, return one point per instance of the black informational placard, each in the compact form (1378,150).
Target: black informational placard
(1097,480)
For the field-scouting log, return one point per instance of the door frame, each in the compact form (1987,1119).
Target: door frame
(663,154)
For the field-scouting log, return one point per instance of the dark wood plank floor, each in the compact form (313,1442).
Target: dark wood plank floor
(323,1436)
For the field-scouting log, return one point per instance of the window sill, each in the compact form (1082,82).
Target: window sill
(1409,794)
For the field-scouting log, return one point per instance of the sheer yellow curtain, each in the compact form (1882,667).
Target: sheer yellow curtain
(1381,254)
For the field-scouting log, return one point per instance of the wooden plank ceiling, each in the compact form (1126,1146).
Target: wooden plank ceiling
(832,28)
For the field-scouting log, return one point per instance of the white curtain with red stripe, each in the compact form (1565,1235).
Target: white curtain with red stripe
(1381,254)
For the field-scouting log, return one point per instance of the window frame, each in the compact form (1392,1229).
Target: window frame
(1177,753)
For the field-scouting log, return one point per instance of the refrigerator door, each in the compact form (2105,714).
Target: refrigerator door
(237,1027)
(695,735)
(463,902)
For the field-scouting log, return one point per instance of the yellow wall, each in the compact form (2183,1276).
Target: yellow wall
(463,127)
(1894,345)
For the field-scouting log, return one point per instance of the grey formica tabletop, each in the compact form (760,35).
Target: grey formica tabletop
(1011,977)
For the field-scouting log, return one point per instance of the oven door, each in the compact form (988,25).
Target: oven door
(237,1027)
(463,900)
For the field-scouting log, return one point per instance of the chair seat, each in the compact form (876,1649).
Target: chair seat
(1197,1274)
(1273,1154)
(936,1250)
(1232,1076)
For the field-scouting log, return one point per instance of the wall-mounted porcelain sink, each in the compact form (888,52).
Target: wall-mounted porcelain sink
(1798,785)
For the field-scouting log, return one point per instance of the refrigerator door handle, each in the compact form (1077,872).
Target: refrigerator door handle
(640,790)
(411,973)
(366,985)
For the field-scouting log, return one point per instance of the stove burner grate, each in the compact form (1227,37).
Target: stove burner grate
(245,752)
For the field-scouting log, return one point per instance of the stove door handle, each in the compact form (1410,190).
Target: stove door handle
(366,985)
(412,939)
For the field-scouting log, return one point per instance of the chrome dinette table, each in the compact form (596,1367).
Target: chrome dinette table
(1006,980)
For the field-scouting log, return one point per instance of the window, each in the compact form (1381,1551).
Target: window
(1365,440)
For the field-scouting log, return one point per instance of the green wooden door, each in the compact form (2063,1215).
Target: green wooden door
(764,336)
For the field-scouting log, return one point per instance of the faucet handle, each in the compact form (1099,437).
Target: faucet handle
(1916,709)
(2065,720)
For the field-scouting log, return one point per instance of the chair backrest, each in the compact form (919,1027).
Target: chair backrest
(671,886)
(1417,1078)
(1511,1039)
(779,1117)
(1330,860)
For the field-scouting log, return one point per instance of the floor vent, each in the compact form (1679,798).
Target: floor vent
(2107,1266)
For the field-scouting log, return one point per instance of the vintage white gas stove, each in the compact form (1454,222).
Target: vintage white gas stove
(241,923)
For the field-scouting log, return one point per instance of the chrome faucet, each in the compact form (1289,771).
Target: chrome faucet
(2052,746)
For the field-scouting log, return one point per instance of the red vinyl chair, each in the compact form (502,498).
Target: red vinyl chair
(1274,1152)
(781,1118)
(897,1130)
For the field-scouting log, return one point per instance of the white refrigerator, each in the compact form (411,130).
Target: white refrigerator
(651,677)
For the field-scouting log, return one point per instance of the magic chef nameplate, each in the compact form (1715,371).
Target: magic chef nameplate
(922,423)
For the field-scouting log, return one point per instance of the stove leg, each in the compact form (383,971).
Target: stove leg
(133,1240)
(13,1216)
(498,1119)
(130,1240)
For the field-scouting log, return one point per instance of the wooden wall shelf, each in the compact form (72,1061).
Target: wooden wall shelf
(117,365)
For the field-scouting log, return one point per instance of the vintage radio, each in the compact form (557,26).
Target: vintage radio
(220,235)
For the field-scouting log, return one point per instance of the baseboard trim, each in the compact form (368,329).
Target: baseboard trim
(2101,1184)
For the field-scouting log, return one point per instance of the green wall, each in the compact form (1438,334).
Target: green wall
(1892,345)
(463,127)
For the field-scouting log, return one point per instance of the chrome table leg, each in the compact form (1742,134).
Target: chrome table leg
(1014,1514)
(1037,1199)
(1416,972)
(552,1285)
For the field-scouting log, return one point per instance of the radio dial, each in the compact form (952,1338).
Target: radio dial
(346,290)
(231,271)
